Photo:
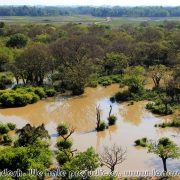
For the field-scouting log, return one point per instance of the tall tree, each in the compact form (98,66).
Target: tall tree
(165,149)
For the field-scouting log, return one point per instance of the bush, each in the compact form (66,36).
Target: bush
(21,99)
(93,84)
(112,119)
(10,101)
(4,129)
(40,92)
(50,92)
(35,97)
(62,129)
(102,126)
(137,142)
(141,142)
(61,158)
(7,138)
(62,144)
(55,76)
(105,80)
(11,126)
(122,96)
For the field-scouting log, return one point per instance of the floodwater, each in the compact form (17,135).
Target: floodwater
(134,122)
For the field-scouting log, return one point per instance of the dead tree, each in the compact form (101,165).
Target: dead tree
(98,117)
(111,156)
(110,110)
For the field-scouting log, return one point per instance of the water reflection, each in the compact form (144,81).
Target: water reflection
(133,113)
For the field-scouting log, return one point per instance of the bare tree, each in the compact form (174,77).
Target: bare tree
(111,156)
(98,111)
(110,110)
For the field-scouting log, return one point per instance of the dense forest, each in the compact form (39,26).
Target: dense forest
(116,11)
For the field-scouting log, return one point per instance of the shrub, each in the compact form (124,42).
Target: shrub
(93,84)
(61,158)
(11,126)
(122,96)
(50,92)
(10,101)
(141,142)
(21,99)
(105,80)
(137,142)
(112,119)
(62,129)
(102,126)
(4,129)
(55,76)
(35,97)
(115,78)
(40,92)
(62,144)
(7,138)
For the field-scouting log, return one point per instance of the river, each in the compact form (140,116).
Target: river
(133,122)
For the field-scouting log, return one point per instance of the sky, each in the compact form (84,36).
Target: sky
(91,2)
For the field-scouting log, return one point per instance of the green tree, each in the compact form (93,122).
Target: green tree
(82,162)
(17,40)
(74,58)
(115,62)
(134,78)
(164,149)
(28,135)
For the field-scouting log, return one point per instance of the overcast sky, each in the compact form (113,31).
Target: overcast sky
(91,2)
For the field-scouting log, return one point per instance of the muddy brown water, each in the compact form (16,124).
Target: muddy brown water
(133,122)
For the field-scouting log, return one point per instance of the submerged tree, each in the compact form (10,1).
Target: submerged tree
(165,149)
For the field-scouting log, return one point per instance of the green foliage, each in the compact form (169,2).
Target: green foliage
(30,135)
(83,161)
(25,158)
(141,142)
(108,80)
(22,96)
(62,157)
(17,40)
(105,80)
(4,129)
(123,96)
(62,144)
(112,119)
(40,92)
(62,129)
(50,92)
(164,149)
(174,123)
(93,83)
(7,138)
(159,109)
(11,126)
(102,126)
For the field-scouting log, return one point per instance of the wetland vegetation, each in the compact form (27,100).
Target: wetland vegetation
(89,84)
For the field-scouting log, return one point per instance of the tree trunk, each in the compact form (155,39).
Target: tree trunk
(164,164)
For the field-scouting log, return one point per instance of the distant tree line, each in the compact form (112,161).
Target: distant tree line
(116,11)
